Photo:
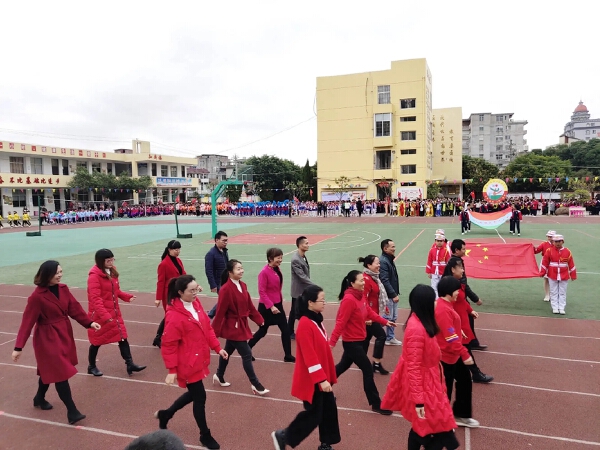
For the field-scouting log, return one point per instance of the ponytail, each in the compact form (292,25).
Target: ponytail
(310,294)
(176,285)
(172,245)
(347,282)
(367,260)
(228,269)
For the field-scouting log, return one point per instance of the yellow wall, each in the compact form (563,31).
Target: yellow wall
(346,142)
(447,148)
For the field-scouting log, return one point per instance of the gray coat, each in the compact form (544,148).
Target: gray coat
(300,275)
(389,275)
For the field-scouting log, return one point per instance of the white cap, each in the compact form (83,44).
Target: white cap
(439,237)
(440,231)
(558,237)
(550,233)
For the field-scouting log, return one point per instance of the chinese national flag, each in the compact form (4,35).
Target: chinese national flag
(500,261)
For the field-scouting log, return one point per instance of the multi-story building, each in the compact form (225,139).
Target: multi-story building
(216,166)
(32,175)
(376,129)
(447,153)
(581,127)
(497,138)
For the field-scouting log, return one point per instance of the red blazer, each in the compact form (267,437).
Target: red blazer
(314,361)
(419,379)
(558,264)
(463,309)
(166,271)
(450,336)
(233,309)
(53,342)
(437,260)
(186,343)
(351,318)
(103,307)
(371,293)
(543,247)
(269,287)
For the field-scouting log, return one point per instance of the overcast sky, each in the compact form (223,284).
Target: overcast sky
(192,78)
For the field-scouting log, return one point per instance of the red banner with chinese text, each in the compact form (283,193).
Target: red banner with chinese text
(500,261)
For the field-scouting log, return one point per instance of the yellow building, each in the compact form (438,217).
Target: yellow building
(26,169)
(376,128)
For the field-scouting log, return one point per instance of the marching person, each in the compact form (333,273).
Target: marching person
(465,221)
(26,219)
(48,309)
(350,325)
(558,264)
(516,218)
(300,278)
(103,293)
(231,322)
(270,284)
(455,356)
(170,267)
(186,344)
(417,387)
(437,259)
(376,298)
(548,243)
(215,262)
(314,377)
(389,278)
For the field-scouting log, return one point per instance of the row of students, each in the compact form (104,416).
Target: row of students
(14,220)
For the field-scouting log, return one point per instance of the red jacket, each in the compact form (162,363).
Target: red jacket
(543,247)
(437,260)
(450,336)
(558,264)
(314,361)
(269,287)
(53,342)
(371,293)
(351,318)
(166,271)
(103,307)
(233,309)
(463,309)
(186,343)
(418,379)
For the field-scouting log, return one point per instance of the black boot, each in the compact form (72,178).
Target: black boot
(39,401)
(208,441)
(92,369)
(126,354)
(377,367)
(64,393)
(480,377)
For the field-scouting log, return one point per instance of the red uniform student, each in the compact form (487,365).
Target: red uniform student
(186,344)
(49,309)
(417,387)
(170,267)
(542,249)
(314,376)
(558,264)
(350,325)
(437,259)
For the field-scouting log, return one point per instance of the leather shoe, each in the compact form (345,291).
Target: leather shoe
(94,371)
(479,347)
(482,378)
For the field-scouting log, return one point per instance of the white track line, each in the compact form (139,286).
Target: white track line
(467,438)
(544,357)
(538,334)
(588,394)
(554,438)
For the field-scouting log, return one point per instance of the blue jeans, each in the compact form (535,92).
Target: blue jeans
(393,316)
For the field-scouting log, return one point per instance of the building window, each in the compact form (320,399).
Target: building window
(587,131)
(408,169)
(383,95)
(481,129)
(109,168)
(480,147)
(499,130)
(164,170)
(408,119)
(182,171)
(498,157)
(174,171)
(409,135)
(481,155)
(65,166)
(498,148)
(17,164)
(96,167)
(37,165)
(481,117)
(55,167)
(411,151)
(153,169)
(406,103)
(499,119)
(383,159)
(383,124)
(18,198)
(82,164)
(499,138)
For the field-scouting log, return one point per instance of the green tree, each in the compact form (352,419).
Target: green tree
(342,184)
(478,170)
(551,170)
(297,189)
(309,177)
(82,179)
(270,175)
(433,190)
(583,155)
(233,193)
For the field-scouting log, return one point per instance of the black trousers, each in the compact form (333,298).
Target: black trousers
(292,316)
(438,441)
(517,226)
(322,413)
(273,319)
(464,226)
(196,395)
(245,352)
(375,329)
(354,353)
(459,373)
(64,393)
(123,348)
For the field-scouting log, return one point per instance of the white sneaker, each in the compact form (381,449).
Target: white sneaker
(469,422)
(561,311)
(393,341)
(555,311)
(547,298)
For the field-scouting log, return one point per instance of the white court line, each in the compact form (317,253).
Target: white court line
(554,438)
(538,334)
(544,357)
(12,340)
(588,394)
(467,438)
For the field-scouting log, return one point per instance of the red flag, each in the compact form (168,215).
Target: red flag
(311,192)
(473,194)
(500,261)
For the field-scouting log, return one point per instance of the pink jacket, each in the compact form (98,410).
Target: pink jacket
(269,287)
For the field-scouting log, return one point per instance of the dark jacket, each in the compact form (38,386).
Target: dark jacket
(470,294)
(215,262)
(389,275)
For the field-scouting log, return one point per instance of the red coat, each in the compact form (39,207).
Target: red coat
(53,342)
(543,247)
(186,343)
(437,260)
(463,308)
(103,307)
(314,361)
(371,293)
(233,309)
(351,318)
(450,336)
(419,379)
(558,264)
(166,271)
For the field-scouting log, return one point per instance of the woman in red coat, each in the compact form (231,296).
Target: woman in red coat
(314,376)
(417,388)
(186,345)
(103,305)
(49,309)
(231,322)
(170,267)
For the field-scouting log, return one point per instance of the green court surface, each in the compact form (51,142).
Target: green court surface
(138,248)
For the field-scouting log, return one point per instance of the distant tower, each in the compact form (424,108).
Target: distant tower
(581,113)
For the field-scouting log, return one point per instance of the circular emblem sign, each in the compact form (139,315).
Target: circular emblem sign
(495,191)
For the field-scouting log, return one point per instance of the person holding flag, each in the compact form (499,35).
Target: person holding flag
(465,222)
(548,243)
(558,264)
(436,260)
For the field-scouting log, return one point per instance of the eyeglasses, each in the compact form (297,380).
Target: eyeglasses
(194,291)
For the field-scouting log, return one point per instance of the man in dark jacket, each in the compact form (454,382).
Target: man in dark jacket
(389,277)
(215,262)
